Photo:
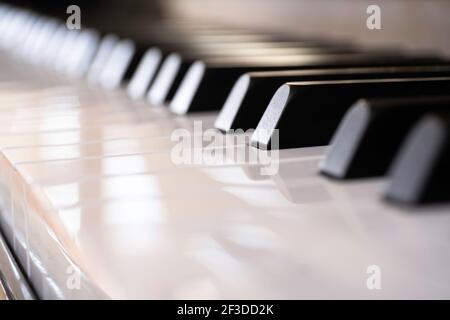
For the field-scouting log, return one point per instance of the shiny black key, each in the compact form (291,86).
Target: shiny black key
(206,85)
(194,42)
(371,133)
(168,79)
(180,51)
(145,73)
(421,171)
(307,113)
(141,47)
(176,64)
(252,92)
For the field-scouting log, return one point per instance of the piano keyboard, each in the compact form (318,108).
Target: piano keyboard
(95,203)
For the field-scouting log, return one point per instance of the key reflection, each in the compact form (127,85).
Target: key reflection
(217,259)
(252,237)
(127,186)
(71,220)
(65,195)
(297,181)
(122,165)
(133,212)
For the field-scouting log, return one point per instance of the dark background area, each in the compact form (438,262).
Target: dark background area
(95,13)
(57,7)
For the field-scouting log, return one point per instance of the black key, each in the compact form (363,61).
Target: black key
(307,113)
(168,79)
(141,61)
(371,133)
(141,47)
(176,64)
(252,92)
(166,49)
(203,41)
(195,41)
(206,85)
(421,171)
(145,73)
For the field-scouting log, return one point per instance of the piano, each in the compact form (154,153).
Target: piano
(224,150)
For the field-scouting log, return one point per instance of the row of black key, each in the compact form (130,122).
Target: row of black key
(300,88)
